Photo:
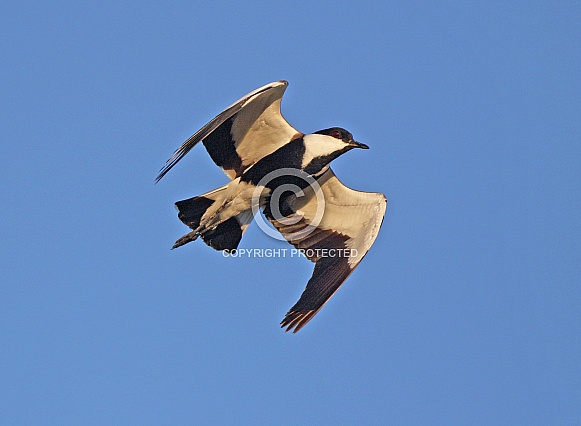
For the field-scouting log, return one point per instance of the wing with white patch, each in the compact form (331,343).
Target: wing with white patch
(243,133)
(335,241)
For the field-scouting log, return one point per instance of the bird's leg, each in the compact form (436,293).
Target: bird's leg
(192,236)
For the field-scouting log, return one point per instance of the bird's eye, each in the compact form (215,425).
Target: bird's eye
(336,134)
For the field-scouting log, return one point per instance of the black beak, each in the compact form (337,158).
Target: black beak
(356,144)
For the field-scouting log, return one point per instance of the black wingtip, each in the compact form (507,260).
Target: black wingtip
(161,174)
(294,321)
(165,169)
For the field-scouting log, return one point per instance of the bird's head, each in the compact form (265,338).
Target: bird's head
(324,146)
(342,135)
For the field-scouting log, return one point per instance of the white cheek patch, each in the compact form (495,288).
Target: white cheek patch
(320,146)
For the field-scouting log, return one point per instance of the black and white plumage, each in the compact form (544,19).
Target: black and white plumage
(251,140)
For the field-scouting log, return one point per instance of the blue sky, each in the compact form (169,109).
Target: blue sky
(465,311)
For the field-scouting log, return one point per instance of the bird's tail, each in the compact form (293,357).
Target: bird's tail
(225,236)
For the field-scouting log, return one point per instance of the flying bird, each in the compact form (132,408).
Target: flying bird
(263,155)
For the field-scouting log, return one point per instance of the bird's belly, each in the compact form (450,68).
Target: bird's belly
(239,197)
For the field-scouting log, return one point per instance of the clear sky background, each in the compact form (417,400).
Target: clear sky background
(467,308)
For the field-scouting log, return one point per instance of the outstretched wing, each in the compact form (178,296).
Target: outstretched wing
(243,133)
(349,224)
